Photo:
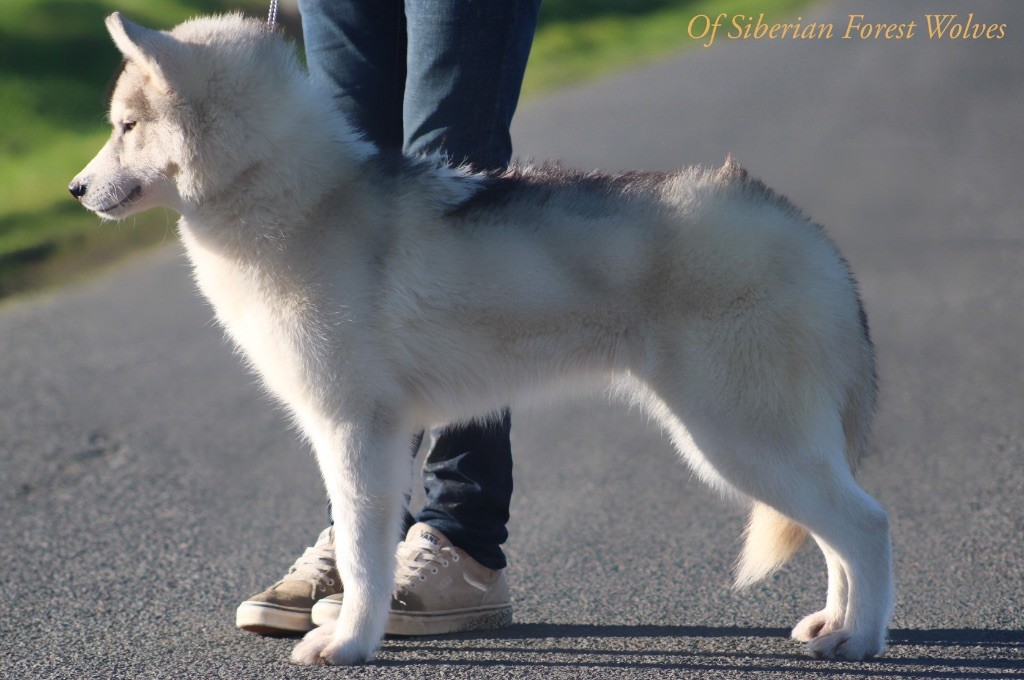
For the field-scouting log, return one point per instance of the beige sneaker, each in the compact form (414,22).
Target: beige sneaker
(438,589)
(285,606)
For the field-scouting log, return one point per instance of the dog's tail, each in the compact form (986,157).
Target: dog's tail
(770,540)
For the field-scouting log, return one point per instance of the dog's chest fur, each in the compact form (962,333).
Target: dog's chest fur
(267,317)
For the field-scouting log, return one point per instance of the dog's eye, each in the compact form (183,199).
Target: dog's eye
(127,126)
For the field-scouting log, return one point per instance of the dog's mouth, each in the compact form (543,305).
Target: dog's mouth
(124,202)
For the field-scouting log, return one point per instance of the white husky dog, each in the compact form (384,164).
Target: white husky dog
(377,296)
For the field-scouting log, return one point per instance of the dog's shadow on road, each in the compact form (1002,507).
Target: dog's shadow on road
(913,653)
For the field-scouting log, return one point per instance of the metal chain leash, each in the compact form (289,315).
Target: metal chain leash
(272,15)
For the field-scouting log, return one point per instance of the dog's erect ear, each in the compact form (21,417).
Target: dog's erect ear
(154,50)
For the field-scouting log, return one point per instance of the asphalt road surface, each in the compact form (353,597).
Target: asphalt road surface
(146,486)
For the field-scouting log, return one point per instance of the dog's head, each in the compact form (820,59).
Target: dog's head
(189,112)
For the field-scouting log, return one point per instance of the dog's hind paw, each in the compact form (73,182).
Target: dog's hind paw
(319,648)
(816,624)
(846,644)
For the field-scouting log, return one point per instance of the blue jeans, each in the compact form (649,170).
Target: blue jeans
(423,76)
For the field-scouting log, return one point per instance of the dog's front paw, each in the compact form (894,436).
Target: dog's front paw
(846,644)
(816,624)
(318,647)
(308,651)
(347,653)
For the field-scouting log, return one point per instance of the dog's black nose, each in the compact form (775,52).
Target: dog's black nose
(77,189)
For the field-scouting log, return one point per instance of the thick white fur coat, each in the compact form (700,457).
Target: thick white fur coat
(377,295)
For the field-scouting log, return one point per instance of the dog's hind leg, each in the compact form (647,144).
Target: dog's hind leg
(855,530)
(812,484)
(806,478)
(365,470)
(833,615)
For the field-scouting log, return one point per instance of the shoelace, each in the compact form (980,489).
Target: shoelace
(416,558)
(316,562)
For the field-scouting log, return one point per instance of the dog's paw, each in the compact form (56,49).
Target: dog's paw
(308,651)
(318,647)
(347,653)
(816,624)
(846,644)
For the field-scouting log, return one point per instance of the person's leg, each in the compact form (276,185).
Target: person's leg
(460,66)
(359,49)
(464,70)
(468,482)
(465,62)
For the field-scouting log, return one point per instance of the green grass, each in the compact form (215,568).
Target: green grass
(578,40)
(56,62)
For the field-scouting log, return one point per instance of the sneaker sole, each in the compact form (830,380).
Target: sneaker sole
(325,611)
(268,619)
(428,623)
(457,621)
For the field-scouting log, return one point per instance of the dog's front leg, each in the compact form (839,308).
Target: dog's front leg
(364,467)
